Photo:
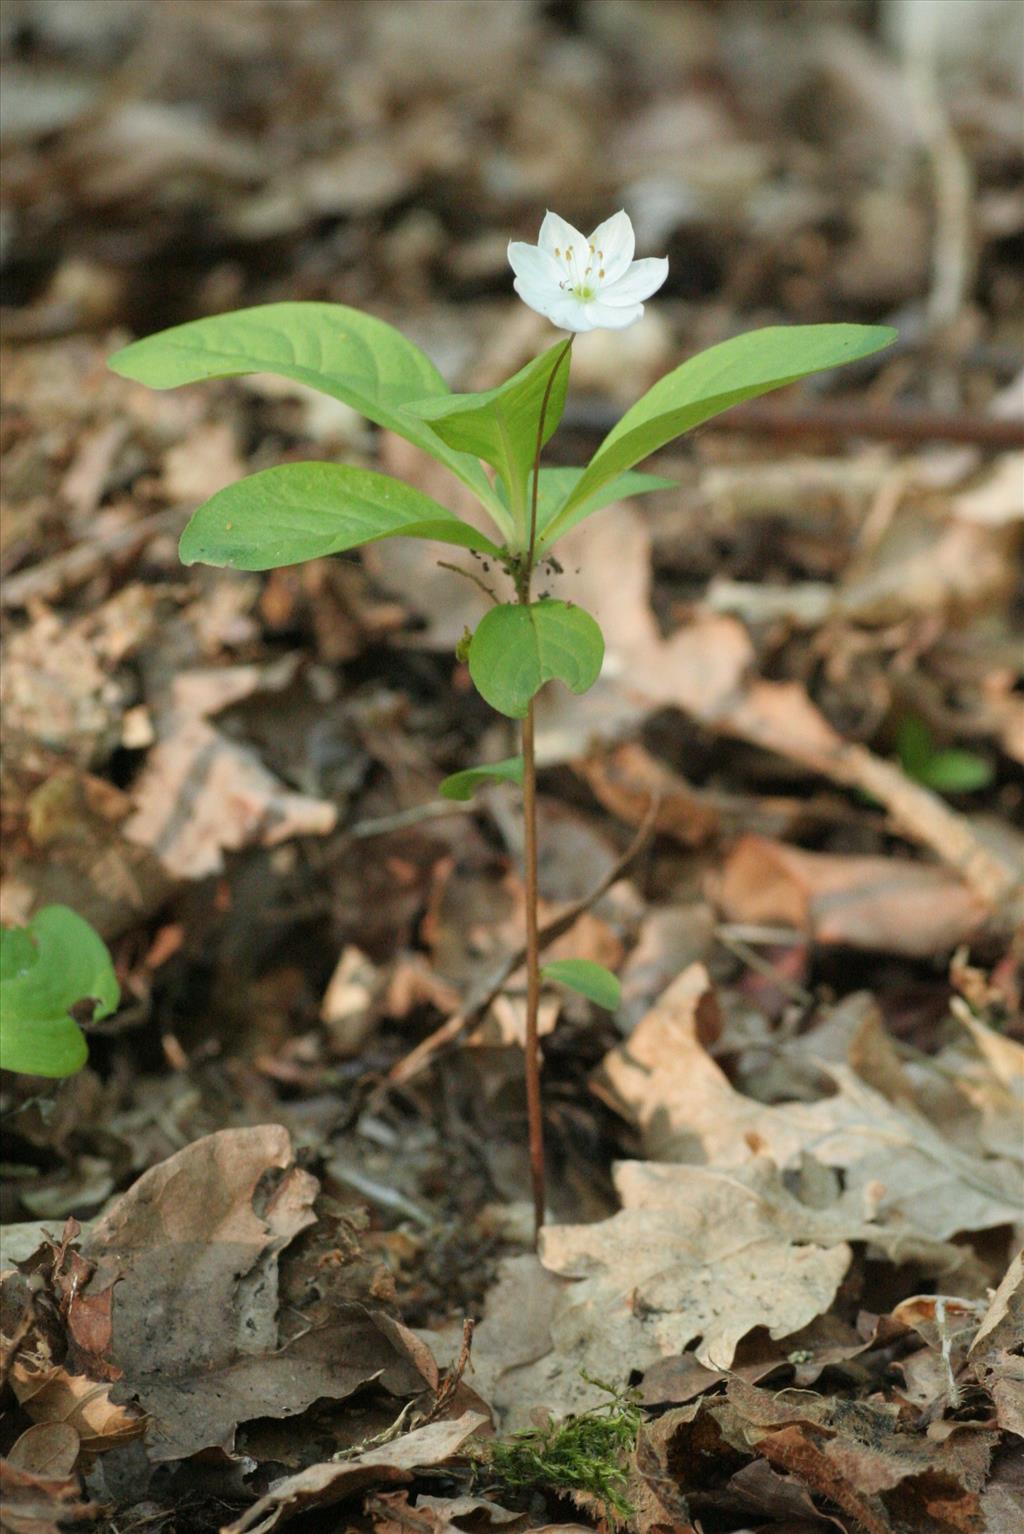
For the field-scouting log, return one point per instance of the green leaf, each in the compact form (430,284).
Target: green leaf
(915,744)
(956,772)
(741,368)
(500,426)
(947,772)
(463,785)
(351,356)
(300,511)
(556,485)
(516,649)
(45,969)
(591,980)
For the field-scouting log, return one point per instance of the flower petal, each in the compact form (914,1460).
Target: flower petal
(616,240)
(557,234)
(562,309)
(534,265)
(641,280)
(602,316)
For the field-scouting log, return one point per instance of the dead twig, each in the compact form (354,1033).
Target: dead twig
(417,1059)
(876,423)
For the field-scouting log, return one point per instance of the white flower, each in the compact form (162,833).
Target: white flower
(581,284)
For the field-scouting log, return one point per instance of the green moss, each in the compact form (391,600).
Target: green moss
(587,1453)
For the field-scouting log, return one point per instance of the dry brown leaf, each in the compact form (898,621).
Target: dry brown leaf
(324,1485)
(49,1393)
(694,1254)
(48,1450)
(908,1188)
(856,1455)
(196,1312)
(441,1515)
(34,1504)
(201,794)
(995,1353)
(888,904)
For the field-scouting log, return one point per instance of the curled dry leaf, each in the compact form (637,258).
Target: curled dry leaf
(48,1450)
(995,1353)
(34,1504)
(888,904)
(50,1394)
(856,1455)
(393,1514)
(323,1485)
(196,1312)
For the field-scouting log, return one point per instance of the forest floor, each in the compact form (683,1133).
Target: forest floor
(246,1247)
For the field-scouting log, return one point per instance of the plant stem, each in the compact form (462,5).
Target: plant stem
(531,1048)
(534,1108)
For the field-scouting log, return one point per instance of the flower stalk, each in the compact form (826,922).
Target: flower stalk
(531,1043)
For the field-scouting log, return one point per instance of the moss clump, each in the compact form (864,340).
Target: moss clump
(586,1453)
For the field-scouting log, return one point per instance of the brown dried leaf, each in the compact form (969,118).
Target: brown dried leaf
(49,1393)
(201,793)
(886,904)
(995,1353)
(48,1450)
(34,1504)
(908,1187)
(324,1485)
(196,1312)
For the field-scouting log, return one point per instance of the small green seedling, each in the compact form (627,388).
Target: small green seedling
(54,967)
(492,442)
(586,1453)
(947,771)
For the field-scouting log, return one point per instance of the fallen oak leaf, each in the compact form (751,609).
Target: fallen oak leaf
(908,1189)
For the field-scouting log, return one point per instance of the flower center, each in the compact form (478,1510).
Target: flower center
(583,289)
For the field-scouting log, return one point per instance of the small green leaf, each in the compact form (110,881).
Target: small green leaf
(463,785)
(45,969)
(351,356)
(591,980)
(946,772)
(741,368)
(500,426)
(516,649)
(300,511)
(956,772)
(556,485)
(915,744)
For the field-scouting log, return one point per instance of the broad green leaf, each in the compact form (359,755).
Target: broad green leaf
(463,785)
(300,511)
(591,980)
(45,969)
(741,368)
(556,485)
(500,426)
(516,649)
(351,356)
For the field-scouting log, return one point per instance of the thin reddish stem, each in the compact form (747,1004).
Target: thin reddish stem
(532,1060)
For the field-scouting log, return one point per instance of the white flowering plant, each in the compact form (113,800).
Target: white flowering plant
(493,442)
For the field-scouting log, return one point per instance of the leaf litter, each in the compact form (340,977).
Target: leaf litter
(787,1175)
